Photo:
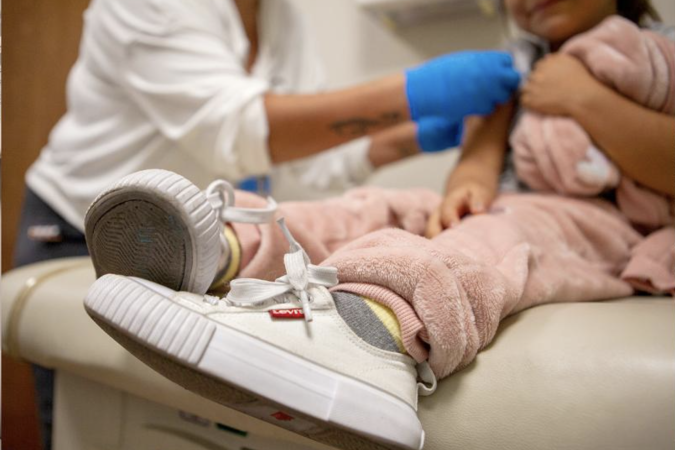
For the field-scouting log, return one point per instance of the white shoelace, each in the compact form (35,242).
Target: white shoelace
(220,194)
(300,273)
(300,276)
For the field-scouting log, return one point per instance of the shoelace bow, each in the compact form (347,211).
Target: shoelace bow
(300,276)
(300,273)
(220,194)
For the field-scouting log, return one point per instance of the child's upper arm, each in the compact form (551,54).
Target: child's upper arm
(487,137)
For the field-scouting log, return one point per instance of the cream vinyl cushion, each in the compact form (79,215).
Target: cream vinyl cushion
(565,376)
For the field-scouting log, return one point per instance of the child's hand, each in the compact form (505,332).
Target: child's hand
(470,195)
(557,84)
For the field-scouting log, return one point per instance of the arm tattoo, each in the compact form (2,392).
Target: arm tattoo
(404,152)
(359,126)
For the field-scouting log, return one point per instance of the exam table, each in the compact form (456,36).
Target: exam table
(566,376)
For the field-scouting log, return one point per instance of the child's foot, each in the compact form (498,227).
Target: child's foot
(158,226)
(317,379)
(279,351)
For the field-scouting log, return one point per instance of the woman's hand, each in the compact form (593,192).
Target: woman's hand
(469,192)
(456,85)
(435,134)
(558,83)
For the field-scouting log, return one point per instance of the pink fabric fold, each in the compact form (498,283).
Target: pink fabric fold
(652,266)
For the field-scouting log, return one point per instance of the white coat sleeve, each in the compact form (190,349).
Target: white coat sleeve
(194,90)
(334,170)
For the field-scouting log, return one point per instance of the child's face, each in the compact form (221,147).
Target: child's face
(558,20)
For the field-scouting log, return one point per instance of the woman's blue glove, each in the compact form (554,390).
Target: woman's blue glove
(435,134)
(460,84)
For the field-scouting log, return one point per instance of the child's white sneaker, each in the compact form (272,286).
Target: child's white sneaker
(158,226)
(315,378)
(278,351)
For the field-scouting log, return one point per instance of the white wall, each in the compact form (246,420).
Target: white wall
(667,10)
(356,47)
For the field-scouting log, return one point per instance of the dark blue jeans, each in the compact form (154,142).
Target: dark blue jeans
(27,251)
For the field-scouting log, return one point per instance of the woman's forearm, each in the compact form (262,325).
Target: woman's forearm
(449,87)
(639,140)
(393,144)
(302,125)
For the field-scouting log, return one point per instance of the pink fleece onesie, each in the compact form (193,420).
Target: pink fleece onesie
(450,293)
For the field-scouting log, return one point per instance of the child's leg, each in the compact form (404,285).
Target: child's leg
(452,291)
(321,227)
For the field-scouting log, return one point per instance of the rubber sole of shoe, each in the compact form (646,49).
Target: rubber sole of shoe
(248,375)
(158,226)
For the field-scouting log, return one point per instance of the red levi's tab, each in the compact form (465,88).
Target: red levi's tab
(295,313)
(280,415)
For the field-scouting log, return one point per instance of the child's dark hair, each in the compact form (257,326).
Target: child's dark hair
(637,10)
